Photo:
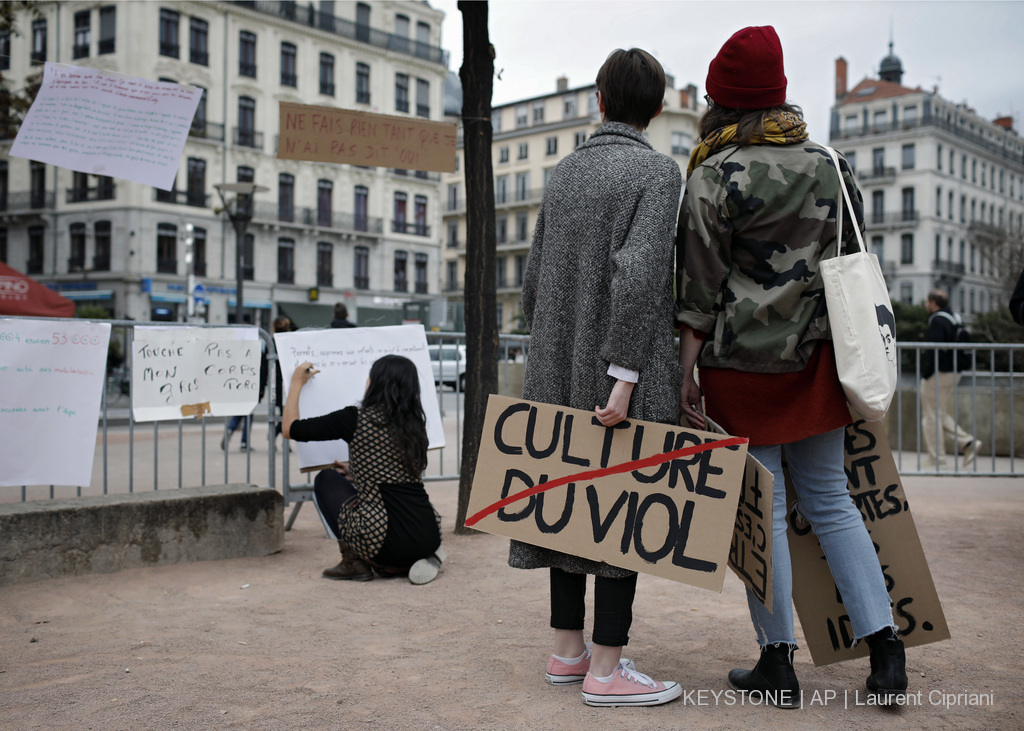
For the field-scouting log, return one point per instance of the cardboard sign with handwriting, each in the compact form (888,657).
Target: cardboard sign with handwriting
(876,489)
(655,498)
(326,134)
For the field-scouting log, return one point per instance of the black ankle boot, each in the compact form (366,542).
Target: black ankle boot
(888,678)
(773,677)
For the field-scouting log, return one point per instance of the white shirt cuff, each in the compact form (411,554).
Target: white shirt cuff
(623,374)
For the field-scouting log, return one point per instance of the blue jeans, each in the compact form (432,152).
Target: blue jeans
(245,422)
(819,478)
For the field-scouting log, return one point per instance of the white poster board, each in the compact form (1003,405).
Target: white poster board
(191,371)
(51,383)
(108,124)
(344,356)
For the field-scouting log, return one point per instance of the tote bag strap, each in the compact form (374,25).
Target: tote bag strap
(849,207)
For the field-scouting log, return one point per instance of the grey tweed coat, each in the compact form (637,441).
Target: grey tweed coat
(598,290)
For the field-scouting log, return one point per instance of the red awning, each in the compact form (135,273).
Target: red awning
(26,297)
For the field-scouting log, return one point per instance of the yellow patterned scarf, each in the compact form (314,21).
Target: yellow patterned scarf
(780,128)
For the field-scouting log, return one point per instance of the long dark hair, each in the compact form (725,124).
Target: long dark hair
(394,391)
(749,122)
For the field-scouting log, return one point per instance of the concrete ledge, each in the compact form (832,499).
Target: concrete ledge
(45,539)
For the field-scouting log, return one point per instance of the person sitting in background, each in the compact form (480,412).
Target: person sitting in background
(379,512)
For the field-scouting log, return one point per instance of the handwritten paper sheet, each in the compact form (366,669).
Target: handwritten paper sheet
(51,383)
(104,124)
(191,371)
(344,357)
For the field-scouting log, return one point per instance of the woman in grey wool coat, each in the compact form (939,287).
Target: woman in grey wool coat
(598,297)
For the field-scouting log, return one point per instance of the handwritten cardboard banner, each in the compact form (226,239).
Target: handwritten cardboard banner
(655,498)
(876,489)
(750,555)
(190,371)
(108,124)
(326,134)
(344,356)
(51,383)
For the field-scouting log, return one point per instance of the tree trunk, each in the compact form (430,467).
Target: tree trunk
(477,75)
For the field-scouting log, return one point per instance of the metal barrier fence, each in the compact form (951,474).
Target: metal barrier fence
(987,402)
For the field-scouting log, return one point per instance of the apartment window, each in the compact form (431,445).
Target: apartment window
(453,196)
(501,189)
(569,107)
(247,54)
(196,182)
(362,83)
(524,151)
(548,172)
(952,158)
(522,226)
(422,39)
(398,224)
(878,120)
(5,58)
(453,235)
(851,160)
(551,145)
(983,175)
(907,197)
(359,207)
(169,33)
(324,192)
(102,241)
(878,160)
(907,249)
(949,206)
(38,41)
(974,209)
(36,242)
(451,276)
(286,261)
(878,247)
(495,120)
(289,74)
(108,30)
(402,26)
(401,92)
(499,313)
(500,278)
(963,209)
(248,256)
(974,170)
(421,273)
(938,247)
(37,184)
(285,197)
(522,186)
(422,98)
(963,167)
(401,259)
(3,185)
(682,142)
(79,187)
(83,28)
(245,174)
(501,230)
(578,139)
(909,116)
(363,22)
(850,124)
(503,154)
(938,157)
(421,216)
(520,264)
(76,256)
(907,293)
(908,156)
(522,115)
(963,252)
(973,254)
(167,248)
(361,268)
(877,206)
(324,264)
(199,120)
(246,121)
(538,112)
(199,47)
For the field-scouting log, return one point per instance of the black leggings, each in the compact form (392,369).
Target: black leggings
(613,605)
(331,492)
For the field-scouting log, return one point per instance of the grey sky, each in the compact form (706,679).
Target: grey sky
(973,51)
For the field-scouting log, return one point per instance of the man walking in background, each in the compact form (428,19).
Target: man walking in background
(944,326)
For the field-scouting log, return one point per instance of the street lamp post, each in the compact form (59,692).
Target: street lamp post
(240,211)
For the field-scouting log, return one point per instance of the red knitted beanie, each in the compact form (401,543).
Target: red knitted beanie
(747,73)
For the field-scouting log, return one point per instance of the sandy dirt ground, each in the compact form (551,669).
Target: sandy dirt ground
(265,643)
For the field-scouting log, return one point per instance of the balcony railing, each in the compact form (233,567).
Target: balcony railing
(207,131)
(327,89)
(101,263)
(76,263)
(289,79)
(99,193)
(248,138)
(199,268)
(307,15)
(986,233)
(80,50)
(167,266)
(306,216)
(895,220)
(170,49)
(408,227)
(877,173)
(34,266)
(357,281)
(247,69)
(324,279)
(106,45)
(183,198)
(25,200)
(285,276)
(199,57)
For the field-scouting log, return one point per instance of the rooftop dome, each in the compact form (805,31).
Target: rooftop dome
(891,68)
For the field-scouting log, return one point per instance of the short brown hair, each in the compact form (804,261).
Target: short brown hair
(749,122)
(632,86)
(939,297)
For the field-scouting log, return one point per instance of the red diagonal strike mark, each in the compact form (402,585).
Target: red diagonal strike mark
(589,475)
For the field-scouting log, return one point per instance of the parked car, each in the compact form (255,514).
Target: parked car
(448,361)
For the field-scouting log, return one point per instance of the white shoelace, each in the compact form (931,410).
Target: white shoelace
(635,676)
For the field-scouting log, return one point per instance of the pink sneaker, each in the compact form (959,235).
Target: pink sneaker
(628,688)
(561,673)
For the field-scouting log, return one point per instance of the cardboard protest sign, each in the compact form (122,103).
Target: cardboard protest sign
(190,371)
(326,134)
(655,498)
(51,383)
(877,491)
(344,356)
(108,124)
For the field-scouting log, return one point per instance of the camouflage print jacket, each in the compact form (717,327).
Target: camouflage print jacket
(754,223)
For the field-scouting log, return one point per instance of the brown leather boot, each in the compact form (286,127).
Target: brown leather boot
(351,567)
